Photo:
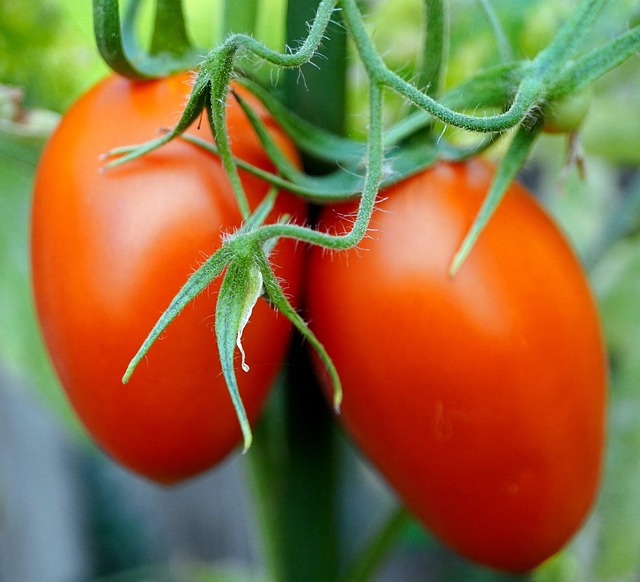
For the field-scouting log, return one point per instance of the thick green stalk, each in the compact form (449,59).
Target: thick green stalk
(169,31)
(435,47)
(170,48)
(240,16)
(294,470)
(317,91)
(294,458)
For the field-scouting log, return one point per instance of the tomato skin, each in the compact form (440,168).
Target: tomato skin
(481,399)
(109,252)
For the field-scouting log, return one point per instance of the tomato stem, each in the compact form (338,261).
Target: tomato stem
(300,501)
(240,16)
(377,548)
(169,31)
(504,46)
(435,47)
(170,49)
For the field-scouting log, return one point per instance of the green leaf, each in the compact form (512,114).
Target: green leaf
(515,157)
(241,288)
(22,353)
(197,283)
(317,142)
(192,111)
(276,295)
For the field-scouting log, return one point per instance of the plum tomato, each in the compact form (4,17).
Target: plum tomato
(480,397)
(111,249)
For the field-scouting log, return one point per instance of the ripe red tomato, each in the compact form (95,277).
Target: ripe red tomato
(481,398)
(110,250)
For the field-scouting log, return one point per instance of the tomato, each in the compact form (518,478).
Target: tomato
(568,114)
(480,398)
(109,252)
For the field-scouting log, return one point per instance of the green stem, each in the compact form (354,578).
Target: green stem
(293,464)
(504,46)
(435,47)
(529,91)
(317,93)
(240,16)
(170,49)
(266,467)
(299,499)
(377,548)
(372,182)
(220,74)
(598,62)
(169,30)
(552,59)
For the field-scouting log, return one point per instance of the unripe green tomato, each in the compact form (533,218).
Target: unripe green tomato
(568,113)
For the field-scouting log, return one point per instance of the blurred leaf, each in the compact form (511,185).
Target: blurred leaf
(54,63)
(21,348)
(616,523)
(613,136)
(188,572)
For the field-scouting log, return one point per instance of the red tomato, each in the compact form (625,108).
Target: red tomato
(110,250)
(481,399)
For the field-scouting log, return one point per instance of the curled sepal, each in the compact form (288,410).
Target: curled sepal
(193,109)
(277,297)
(240,290)
(199,281)
(515,157)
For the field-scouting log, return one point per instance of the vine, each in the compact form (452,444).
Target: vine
(521,90)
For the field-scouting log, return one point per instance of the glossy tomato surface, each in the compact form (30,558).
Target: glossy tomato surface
(480,398)
(109,252)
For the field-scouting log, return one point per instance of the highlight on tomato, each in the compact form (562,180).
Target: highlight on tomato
(111,249)
(479,397)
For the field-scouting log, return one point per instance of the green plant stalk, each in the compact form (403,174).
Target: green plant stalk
(169,31)
(504,47)
(240,16)
(377,547)
(170,50)
(299,500)
(435,47)
(317,91)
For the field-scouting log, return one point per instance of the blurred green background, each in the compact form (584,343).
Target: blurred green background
(68,513)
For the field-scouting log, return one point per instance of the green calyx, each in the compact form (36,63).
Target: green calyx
(248,277)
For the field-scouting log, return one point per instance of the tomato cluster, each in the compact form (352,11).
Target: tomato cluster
(479,397)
